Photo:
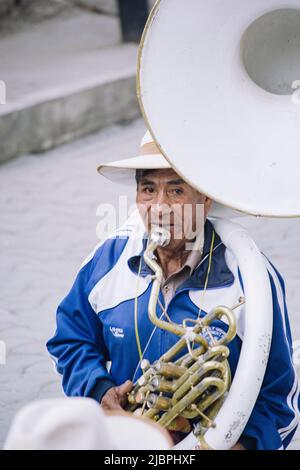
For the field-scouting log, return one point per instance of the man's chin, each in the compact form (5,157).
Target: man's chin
(176,244)
(175,230)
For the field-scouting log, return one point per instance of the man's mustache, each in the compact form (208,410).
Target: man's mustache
(164,220)
(166,224)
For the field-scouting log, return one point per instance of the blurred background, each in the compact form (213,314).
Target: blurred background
(67,102)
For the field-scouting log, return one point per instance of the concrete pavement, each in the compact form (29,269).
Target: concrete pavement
(79,82)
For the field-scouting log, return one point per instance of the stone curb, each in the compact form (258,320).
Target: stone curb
(44,121)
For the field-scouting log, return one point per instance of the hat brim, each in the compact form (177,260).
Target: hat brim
(77,423)
(123,171)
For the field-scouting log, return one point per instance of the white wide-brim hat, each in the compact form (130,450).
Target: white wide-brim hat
(81,424)
(149,158)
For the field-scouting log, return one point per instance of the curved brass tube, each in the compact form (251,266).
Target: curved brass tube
(194,385)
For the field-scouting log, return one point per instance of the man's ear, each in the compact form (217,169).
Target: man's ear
(207,206)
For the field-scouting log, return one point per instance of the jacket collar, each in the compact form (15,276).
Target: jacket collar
(219,276)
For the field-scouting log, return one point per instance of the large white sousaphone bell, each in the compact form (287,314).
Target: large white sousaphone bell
(222,78)
(218,85)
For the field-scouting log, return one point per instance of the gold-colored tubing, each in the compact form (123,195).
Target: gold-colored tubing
(218,313)
(189,385)
(169,370)
(191,368)
(192,397)
(197,376)
(151,413)
(144,378)
(138,395)
(131,399)
(187,360)
(160,385)
(158,402)
(217,400)
(180,345)
(207,407)
(211,398)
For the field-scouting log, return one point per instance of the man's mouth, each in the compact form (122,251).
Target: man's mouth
(164,225)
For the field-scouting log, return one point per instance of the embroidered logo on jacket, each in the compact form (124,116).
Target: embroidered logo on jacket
(216,332)
(117,332)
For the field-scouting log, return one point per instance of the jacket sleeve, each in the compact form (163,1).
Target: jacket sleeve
(78,347)
(275,416)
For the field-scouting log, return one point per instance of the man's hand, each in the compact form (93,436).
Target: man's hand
(116,397)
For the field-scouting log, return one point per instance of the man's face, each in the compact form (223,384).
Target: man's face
(164,199)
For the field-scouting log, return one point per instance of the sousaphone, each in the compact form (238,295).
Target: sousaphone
(218,85)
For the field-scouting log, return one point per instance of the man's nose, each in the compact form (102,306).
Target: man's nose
(161,198)
(161,208)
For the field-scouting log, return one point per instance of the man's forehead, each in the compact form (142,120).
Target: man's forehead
(166,173)
(166,176)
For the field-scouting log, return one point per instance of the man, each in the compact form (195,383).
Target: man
(104,318)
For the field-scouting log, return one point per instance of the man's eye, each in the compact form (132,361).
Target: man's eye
(177,191)
(148,190)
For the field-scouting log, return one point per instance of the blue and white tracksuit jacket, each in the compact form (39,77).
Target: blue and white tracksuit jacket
(95,325)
